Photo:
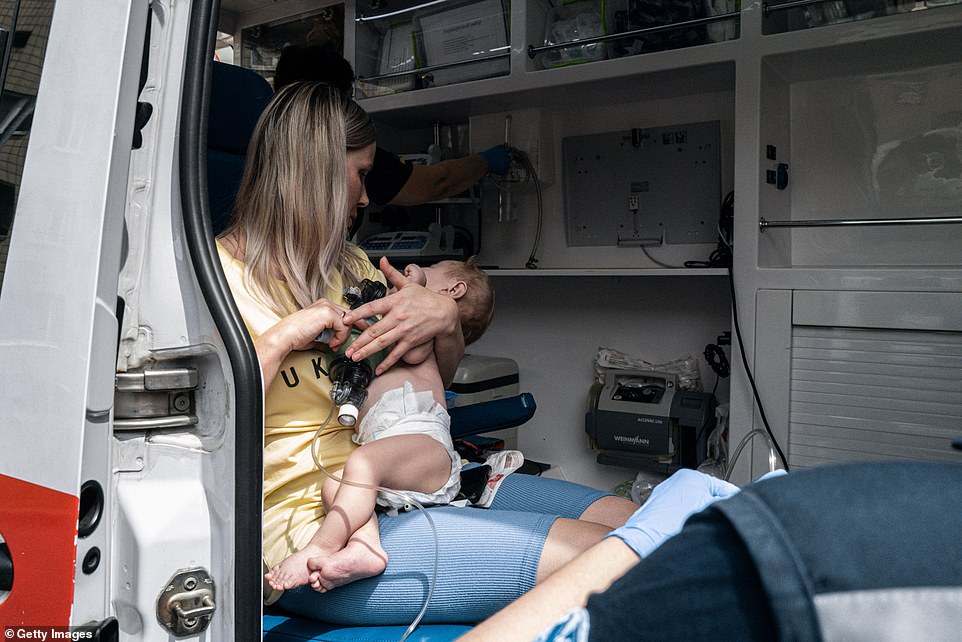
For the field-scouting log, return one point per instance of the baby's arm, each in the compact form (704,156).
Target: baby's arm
(419,354)
(423,376)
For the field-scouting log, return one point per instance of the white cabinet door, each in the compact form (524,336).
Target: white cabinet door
(854,376)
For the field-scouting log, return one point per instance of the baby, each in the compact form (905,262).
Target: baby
(405,443)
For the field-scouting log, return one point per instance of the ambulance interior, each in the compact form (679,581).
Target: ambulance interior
(734,246)
(812,134)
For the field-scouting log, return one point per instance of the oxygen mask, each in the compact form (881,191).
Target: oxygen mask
(349,378)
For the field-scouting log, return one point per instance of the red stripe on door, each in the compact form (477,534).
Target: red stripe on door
(39,525)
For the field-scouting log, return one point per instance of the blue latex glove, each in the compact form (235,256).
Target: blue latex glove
(778,472)
(671,503)
(498,159)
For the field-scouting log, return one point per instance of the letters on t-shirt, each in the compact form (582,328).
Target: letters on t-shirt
(292,379)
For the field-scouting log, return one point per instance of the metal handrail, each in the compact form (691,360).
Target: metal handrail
(399,12)
(764,223)
(428,69)
(782,6)
(534,51)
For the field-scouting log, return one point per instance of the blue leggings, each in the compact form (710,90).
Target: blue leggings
(488,558)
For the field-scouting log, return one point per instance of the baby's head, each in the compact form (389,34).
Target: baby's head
(467,284)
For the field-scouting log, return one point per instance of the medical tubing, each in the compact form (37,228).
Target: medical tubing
(741,446)
(396,493)
(748,371)
(530,175)
(657,262)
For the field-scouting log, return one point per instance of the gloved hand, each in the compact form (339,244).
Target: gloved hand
(778,472)
(671,503)
(498,159)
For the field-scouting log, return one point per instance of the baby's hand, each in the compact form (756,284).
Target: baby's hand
(416,274)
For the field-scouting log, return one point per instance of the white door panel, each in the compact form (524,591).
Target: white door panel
(856,376)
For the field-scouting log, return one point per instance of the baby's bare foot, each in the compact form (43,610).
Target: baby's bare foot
(293,571)
(353,562)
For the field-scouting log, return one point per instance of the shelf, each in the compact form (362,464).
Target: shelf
(412,46)
(455,200)
(580,272)
(586,32)
(794,16)
(900,43)
(660,75)
(885,43)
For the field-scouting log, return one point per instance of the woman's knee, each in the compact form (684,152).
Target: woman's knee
(567,539)
(611,511)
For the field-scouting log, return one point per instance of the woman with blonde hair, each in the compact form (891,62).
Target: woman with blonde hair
(287,261)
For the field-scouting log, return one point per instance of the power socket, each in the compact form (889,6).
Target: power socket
(633,202)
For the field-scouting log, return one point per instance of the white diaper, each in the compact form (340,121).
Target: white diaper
(402,411)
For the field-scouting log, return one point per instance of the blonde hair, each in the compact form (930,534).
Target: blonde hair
(291,208)
(476,307)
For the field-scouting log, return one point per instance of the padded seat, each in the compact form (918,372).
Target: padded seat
(490,416)
(238,97)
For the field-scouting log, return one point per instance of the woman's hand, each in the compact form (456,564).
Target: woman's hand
(299,331)
(671,503)
(409,317)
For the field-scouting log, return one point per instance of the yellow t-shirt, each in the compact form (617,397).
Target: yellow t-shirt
(295,405)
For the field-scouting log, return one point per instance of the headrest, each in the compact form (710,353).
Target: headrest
(238,96)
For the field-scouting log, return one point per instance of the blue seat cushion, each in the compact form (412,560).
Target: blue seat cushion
(237,98)
(280,627)
(493,415)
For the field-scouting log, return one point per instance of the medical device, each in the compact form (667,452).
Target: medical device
(423,248)
(481,379)
(641,419)
(349,378)
(520,172)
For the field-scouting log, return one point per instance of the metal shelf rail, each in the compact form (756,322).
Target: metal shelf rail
(764,223)
(534,51)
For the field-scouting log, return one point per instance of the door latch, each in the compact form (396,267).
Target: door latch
(187,604)
(155,398)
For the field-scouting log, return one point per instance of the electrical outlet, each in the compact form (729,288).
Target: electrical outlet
(633,202)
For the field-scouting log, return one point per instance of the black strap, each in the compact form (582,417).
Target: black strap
(782,571)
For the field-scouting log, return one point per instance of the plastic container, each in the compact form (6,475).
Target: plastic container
(569,23)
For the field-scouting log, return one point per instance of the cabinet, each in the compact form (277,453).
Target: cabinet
(862,112)
(855,102)
(411,45)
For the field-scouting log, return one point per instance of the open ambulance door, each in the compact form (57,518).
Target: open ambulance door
(130,443)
